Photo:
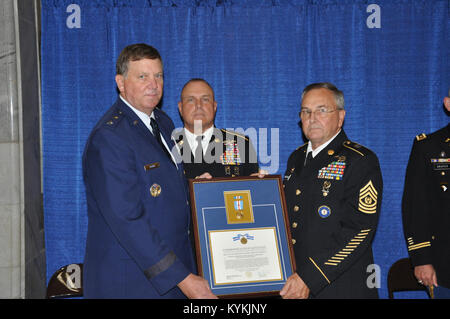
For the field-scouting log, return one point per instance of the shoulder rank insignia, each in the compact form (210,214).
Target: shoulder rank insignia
(421,137)
(368,197)
(301,146)
(228,133)
(114,118)
(354,147)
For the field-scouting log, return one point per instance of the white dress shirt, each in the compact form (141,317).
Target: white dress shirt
(191,138)
(321,147)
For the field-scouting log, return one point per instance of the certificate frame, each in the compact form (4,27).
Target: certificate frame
(242,236)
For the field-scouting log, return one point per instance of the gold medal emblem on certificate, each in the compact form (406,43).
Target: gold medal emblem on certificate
(238,206)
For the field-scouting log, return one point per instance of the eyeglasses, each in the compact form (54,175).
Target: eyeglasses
(320,112)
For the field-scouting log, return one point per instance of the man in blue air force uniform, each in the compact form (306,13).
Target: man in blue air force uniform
(138,211)
(333,193)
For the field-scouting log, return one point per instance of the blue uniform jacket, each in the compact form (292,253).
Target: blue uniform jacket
(137,243)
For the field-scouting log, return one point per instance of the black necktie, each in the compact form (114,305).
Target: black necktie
(198,156)
(157,134)
(308,159)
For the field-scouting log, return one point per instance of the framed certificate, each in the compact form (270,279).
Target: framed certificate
(242,235)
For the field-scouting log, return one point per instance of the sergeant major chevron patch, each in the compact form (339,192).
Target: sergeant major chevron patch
(368,197)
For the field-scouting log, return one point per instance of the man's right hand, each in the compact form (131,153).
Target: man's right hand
(204,175)
(195,287)
(295,288)
(426,275)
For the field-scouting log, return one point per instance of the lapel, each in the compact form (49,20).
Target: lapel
(213,145)
(164,128)
(183,145)
(136,122)
(142,129)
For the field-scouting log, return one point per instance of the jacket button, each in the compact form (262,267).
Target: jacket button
(296,208)
(294,225)
(297,192)
(293,241)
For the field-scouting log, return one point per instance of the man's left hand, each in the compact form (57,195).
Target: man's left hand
(261,173)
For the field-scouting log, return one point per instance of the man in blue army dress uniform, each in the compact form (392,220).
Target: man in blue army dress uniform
(426,209)
(207,151)
(137,243)
(333,190)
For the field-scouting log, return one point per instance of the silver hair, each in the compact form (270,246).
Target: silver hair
(338,95)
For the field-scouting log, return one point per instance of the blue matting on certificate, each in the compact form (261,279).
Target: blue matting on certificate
(248,268)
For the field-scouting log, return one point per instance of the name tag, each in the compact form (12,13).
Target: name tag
(151,166)
(441,164)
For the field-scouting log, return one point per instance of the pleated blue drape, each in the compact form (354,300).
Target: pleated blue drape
(258,55)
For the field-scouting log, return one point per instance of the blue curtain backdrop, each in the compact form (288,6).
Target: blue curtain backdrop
(391,62)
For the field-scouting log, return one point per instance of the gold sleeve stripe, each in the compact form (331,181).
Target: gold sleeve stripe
(319,269)
(418,246)
(349,248)
(337,258)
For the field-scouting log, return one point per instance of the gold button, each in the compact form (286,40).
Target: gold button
(330,152)
(293,241)
(442,173)
(294,225)
(292,169)
(296,208)
(297,192)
